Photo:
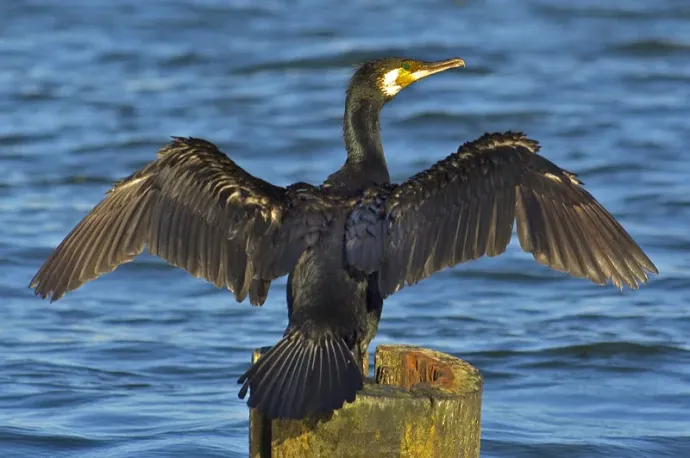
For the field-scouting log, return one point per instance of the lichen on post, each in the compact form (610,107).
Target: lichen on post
(421,404)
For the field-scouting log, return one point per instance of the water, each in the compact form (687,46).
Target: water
(143,362)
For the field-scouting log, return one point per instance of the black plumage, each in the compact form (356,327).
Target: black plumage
(464,206)
(347,243)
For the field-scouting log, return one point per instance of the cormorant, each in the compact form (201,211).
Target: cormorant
(346,244)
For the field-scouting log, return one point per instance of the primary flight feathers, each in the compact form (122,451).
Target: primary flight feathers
(464,207)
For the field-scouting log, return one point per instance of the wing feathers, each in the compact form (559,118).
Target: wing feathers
(196,209)
(471,231)
(504,217)
(465,206)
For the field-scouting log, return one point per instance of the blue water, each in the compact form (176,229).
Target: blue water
(143,362)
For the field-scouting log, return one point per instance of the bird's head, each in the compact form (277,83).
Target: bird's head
(390,75)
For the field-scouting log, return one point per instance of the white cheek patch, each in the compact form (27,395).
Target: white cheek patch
(389,83)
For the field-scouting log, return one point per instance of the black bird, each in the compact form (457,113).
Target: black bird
(346,244)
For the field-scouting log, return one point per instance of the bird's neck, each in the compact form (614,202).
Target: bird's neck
(362,132)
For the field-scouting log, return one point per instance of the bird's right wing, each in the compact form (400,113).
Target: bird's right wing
(464,207)
(198,210)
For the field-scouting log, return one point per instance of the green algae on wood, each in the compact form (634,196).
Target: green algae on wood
(421,404)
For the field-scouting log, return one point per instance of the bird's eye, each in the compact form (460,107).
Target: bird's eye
(406,66)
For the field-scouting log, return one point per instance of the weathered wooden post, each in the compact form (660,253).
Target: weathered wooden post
(422,404)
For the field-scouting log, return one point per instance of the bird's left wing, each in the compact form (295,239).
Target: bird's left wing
(464,207)
(195,208)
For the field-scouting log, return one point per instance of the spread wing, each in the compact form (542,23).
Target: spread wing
(464,207)
(198,210)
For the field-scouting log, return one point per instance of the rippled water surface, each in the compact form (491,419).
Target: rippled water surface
(143,362)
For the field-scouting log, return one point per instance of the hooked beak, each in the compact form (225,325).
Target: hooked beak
(430,68)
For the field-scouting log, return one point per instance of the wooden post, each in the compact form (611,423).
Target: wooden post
(422,404)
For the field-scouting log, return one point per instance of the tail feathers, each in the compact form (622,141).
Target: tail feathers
(302,375)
